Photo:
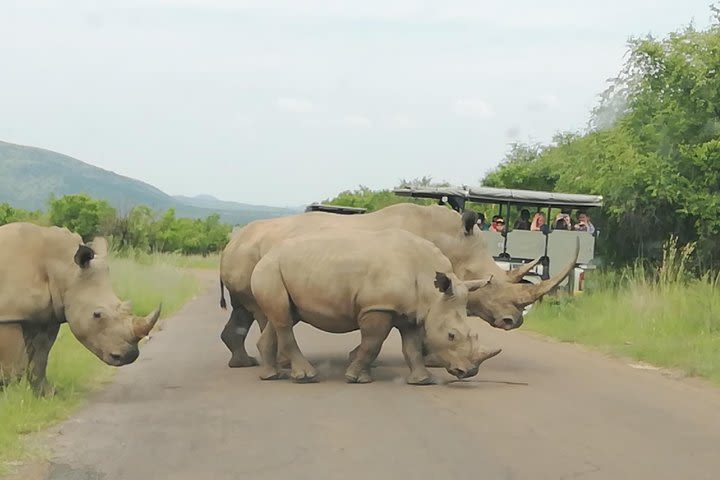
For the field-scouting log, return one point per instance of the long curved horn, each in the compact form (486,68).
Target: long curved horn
(517,274)
(142,326)
(527,294)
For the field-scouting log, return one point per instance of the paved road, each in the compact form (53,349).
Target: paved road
(539,410)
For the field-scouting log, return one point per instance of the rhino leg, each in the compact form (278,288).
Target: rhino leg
(13,359)
(374,329)
(353,353)
(39,339)
(267,345)
(432,361)
(301,371)
(412,348)
(234,334)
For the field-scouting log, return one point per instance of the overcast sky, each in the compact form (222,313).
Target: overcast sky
(288,102)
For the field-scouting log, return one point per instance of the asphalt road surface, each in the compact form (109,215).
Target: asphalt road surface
(539,410)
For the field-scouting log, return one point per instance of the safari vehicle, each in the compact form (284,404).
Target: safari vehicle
(513,248)
(343,210)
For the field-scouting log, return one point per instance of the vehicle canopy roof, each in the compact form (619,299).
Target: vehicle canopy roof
(320,207)
(505,196)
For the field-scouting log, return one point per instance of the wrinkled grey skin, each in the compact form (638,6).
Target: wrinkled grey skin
(392,279)
(500,303)
(50,277)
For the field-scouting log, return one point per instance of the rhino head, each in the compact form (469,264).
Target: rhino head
(96,316)
(447,333)
(502,301)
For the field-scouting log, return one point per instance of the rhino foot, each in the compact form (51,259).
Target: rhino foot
(269,373)
(44,389)
(420,378)
(240,361)
(284,363)
(362,377)
(304,375)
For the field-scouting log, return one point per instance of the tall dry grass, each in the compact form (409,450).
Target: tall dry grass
(663,315)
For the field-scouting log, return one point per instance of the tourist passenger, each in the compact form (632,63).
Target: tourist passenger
(523,223)
(537,222)
(584,224)
(562,221)
(498,224)
(481,222)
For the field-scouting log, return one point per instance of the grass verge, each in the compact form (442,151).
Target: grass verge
(72,369)
(663,317)
(170,259)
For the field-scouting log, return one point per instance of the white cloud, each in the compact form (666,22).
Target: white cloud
(521,14)
(357,121)
(474,108)
(295,105)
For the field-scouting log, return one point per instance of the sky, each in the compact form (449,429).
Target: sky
(288,102)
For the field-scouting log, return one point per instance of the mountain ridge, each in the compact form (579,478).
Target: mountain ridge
(29,175)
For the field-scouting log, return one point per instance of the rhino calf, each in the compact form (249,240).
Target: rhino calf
(49,277)
(340,281)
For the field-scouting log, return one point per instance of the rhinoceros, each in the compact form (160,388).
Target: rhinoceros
(48,276)
(500,303)
(340,281)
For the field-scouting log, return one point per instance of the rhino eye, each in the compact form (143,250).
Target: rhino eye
(451,336)
(97,315)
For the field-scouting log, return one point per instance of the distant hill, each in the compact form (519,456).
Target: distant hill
(208,201)
(28,175)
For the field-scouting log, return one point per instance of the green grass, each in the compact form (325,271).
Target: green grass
(148,284)
(171,259)
(662,317)
(75,371)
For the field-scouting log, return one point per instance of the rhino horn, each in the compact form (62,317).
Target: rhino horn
(517,274)
(143,325)
(528,293)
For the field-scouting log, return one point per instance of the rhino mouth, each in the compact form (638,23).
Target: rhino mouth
(460,373)
(506,323)
(122,358)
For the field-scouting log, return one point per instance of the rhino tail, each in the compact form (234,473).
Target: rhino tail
(223,303)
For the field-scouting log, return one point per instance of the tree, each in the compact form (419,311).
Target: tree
(9,214)
(653,150)
(80,213)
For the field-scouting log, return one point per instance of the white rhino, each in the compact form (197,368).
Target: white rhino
(49,277)
(500,303)
(340,281)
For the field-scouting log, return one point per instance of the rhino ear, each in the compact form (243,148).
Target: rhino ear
(99,245)
(83,256)
(469,219)
(443,283)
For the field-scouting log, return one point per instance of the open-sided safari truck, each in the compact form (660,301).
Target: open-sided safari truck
(513,248)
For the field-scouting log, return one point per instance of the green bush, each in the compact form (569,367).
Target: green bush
(141,229)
